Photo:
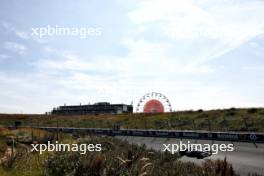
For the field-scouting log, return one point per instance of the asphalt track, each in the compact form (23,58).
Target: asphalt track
(247,157)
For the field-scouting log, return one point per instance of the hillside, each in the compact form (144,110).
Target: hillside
(251,119)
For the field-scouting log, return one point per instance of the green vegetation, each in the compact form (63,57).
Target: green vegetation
(117,158)
(225,120)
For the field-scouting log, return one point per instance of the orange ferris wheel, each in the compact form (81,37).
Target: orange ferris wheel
(154,103)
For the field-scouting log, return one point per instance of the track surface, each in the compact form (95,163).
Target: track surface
(246,157)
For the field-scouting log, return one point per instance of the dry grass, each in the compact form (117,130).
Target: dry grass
(118,158)
(227,119)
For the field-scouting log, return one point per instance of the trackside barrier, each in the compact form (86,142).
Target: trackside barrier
(202,135)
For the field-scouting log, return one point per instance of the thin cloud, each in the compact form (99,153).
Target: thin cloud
(220,27)
(22,34)
(4,56)
(15,47)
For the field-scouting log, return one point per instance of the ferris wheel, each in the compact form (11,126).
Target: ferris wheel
(154,103)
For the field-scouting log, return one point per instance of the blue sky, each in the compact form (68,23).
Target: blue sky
(201,54)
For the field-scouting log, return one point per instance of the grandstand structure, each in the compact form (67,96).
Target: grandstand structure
(93,109)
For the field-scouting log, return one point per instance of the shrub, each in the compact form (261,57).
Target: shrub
(252,110)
